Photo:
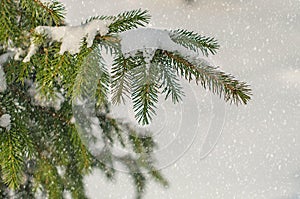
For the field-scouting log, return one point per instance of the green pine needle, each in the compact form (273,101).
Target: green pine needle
(195,42)
(121,79)
(130,20)
(145,91)
(212,78)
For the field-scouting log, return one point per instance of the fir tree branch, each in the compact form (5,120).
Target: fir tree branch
(103,84)
(130,20)
(144,99)
(11,159)
(55,9)
(8,21)
(15,148)
(194,41)
(111,127)
(169,82)
(215,80)
(154,173)
(90,69)
(15,142)
(41,14)
(144,91)
(125,21)
(111,43)
(75,182)
(47,176)
(121,80)
(135,172)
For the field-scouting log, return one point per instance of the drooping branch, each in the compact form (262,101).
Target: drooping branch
(212,78)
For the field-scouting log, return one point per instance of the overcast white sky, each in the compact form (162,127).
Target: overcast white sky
(257,155)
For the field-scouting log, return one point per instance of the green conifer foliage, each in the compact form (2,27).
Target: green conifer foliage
(41,149)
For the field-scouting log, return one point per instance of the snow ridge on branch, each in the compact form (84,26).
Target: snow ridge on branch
(70,36)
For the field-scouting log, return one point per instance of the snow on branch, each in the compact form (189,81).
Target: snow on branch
(71,36)
(148,40)
(141,39)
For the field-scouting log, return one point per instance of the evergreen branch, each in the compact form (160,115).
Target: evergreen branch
(83,69)
(111,43)
(169,82)
(75,182)
(129,20)
(125,21)
(144,145)
(8,21)
(11,159)
(46,174)
(14,147)
(26,190)
(121,80)
(103,81)
(81,155)
(91,76)
(141,144)
(140,183)
(15,142)
(135,172)
(102,17)
(51,71)
(194,41)
(67,72)
(144,92)
(102,90)
(41,14)
(154,173)
(55,9)
(215,80)
(144,99)
(111,127)
(46,74)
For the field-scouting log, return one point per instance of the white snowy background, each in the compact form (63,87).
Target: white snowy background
(257,155)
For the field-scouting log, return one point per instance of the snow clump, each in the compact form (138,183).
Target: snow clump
(5,121)
(70,36)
